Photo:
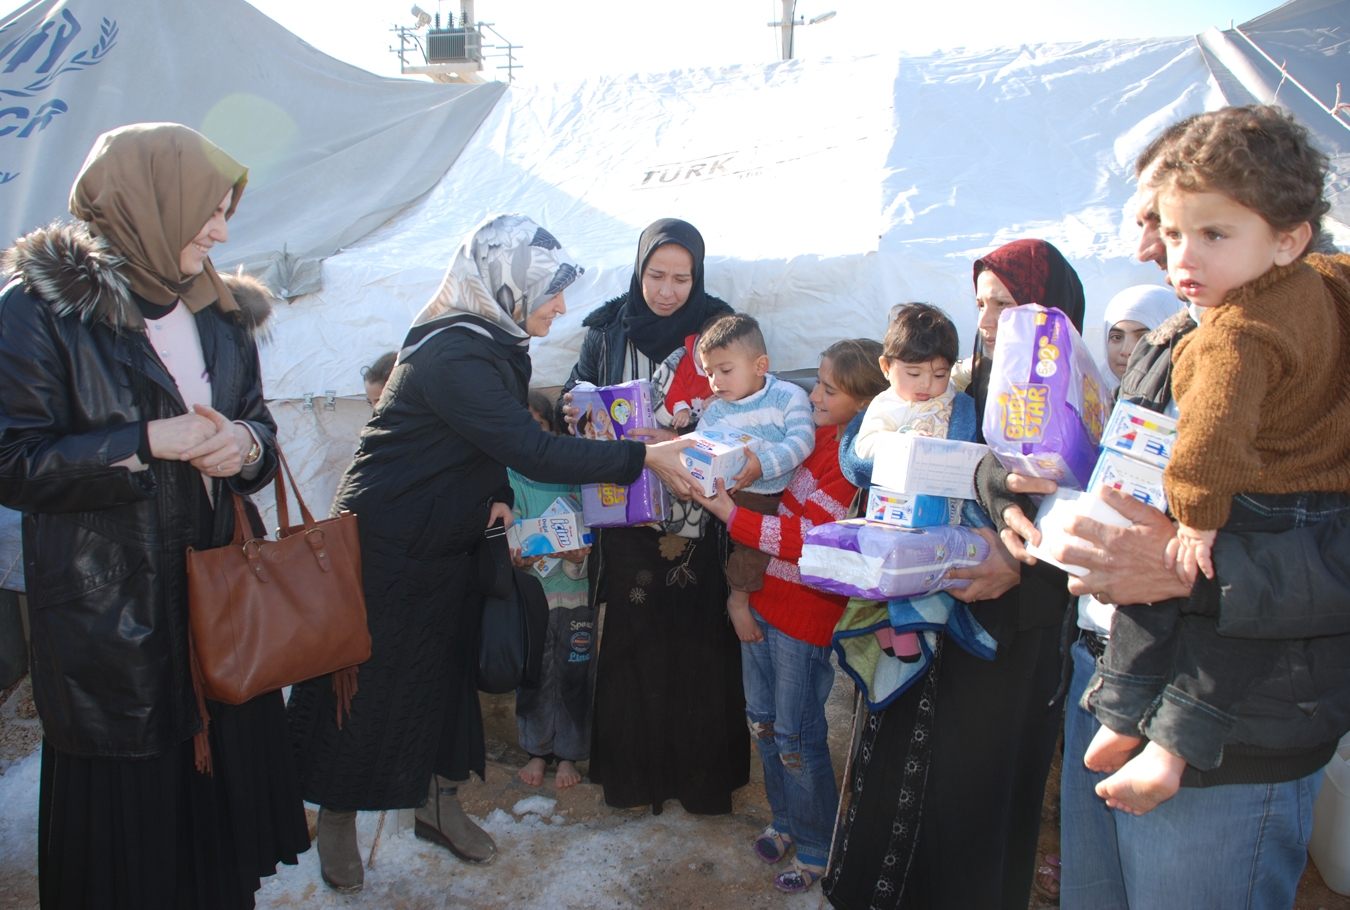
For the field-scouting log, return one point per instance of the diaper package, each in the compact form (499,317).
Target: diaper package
(1045,412)
(1136,447)
(876,561)
(559,529)
(718,453)
(609,412)
(911,510)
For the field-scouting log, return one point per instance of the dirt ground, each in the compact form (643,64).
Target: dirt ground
(608,858)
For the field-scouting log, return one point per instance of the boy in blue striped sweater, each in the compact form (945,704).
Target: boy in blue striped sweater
(778,415)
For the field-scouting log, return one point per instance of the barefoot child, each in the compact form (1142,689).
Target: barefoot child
(778,415)
(555,719)
(1263,442)
(917,356)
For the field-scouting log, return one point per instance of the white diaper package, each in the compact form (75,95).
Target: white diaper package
(718,453)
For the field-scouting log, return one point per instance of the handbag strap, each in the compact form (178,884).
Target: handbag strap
(283,514)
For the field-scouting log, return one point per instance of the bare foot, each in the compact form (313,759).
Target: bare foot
(533,772)
(1109,751)
(568,775)
(1151,777)
(738,608)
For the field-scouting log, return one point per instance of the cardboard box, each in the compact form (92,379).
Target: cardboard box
(912,510)
(559,529)
(1142,481)
(609,413)
(1141,434)
(910,463)
(717,453)
(1057,510)
(544,566)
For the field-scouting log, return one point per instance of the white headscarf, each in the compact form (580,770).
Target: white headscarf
(1150,305)
(504,270)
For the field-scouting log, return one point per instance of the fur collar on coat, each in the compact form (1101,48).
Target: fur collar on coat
(77,274)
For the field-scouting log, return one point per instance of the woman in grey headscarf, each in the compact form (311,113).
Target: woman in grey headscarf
(428,478)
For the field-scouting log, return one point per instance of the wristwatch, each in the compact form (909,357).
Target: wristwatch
(253,454)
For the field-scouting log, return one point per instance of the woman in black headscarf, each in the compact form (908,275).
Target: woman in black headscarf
(669,705)
(944,796)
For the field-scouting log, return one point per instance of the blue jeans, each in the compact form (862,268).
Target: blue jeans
(786,684)
(1236,847)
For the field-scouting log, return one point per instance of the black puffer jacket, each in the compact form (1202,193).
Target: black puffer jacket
(104,548)
(1294,587)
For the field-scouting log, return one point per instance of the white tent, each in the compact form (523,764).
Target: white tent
(827,190)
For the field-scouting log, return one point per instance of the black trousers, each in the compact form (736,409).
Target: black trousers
(1170,676)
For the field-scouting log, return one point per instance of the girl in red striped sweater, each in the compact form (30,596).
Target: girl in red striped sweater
(788,674)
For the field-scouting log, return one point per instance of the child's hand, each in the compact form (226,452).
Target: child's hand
(681,418)
(752,471)
(720,504)
(1192,551)
(576,557)
(570,414)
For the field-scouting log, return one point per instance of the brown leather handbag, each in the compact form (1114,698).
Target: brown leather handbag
(264,614)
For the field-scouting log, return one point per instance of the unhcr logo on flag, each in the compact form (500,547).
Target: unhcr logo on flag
(31,60)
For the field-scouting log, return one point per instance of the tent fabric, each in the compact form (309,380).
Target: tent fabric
(827,191)
(332,151)
(1310,39)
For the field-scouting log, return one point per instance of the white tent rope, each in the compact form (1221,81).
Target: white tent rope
(1333,110)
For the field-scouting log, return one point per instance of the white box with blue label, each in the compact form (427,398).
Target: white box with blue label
(1141,434)
(1134,478)
(559,529)
(911,463)
(717,453)
(912,510)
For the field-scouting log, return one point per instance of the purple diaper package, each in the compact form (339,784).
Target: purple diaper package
(609,412)
(1045,410)
(876,561)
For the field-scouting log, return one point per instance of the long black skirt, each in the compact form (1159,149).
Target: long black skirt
(154,833)
(946,786)
(669,704)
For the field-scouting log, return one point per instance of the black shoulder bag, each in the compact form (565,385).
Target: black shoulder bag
(515,620)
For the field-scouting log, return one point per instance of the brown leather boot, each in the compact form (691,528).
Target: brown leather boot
(339,857)
(442,821)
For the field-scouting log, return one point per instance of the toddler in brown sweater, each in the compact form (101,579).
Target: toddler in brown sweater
(1263,438)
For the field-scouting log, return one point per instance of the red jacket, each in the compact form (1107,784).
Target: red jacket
(818,494)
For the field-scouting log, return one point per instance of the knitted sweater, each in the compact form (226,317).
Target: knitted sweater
(818,494)
(1263,389)
(779,417)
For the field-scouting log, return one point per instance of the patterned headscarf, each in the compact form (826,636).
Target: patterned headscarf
(504,270)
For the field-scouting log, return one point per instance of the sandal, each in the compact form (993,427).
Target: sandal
(798,878)
(1046,881)
(771,846)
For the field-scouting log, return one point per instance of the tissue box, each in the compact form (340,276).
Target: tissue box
(910,463)
(868,559)
(1141,434)
(911,510)
(1045,414)
(609,413)
(717,453)
(559,529)
(1142,481)
(1057,510)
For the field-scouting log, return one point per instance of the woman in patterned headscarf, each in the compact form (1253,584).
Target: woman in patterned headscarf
(428,478)
(944,799)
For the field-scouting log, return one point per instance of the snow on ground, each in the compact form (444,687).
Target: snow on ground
(18,833)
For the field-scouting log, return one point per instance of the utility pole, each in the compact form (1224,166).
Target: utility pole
(786,22)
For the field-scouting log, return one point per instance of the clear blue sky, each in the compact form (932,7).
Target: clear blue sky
(566,40)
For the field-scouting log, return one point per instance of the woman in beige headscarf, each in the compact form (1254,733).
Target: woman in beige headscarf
(132,407)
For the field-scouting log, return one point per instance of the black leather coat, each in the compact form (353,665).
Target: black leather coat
(104,548)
